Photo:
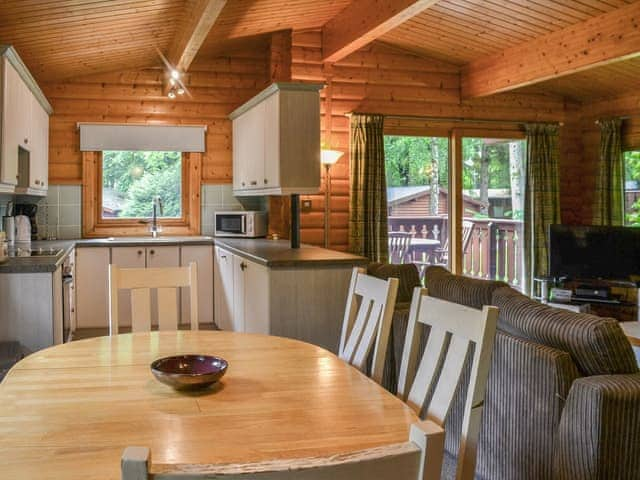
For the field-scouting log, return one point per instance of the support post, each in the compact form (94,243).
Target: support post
(295,220)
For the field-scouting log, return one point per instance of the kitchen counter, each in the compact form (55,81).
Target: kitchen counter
(270,253)
(39,264)
(279,254)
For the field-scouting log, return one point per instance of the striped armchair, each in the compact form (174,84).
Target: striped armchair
(563,399)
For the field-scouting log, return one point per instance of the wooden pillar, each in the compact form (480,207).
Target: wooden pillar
(280,71)
(456,201)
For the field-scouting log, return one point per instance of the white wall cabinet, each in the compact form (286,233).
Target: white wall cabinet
(92,280)
(24,151)
(276,141)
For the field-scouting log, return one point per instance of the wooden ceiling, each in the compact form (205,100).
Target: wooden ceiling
(460,31)
(61,39)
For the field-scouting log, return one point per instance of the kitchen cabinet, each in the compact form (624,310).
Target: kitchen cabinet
(32,309)
(92,287)
(305,302)
(92,272)
(202,255)
(276,141)
(223,291)
(24,150)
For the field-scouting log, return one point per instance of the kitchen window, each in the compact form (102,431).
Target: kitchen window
(126,168)
(131,180)
(632,188)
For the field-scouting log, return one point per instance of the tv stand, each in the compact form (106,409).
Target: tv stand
(622,303)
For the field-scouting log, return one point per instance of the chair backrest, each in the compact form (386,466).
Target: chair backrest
(454,328)
(467,230)
(418,459)
(367,321)
(140,281)
(399,244)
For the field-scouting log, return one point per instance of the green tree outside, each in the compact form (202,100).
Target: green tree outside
(632,174)
(135,177)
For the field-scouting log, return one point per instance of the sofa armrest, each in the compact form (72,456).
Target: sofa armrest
(599,432)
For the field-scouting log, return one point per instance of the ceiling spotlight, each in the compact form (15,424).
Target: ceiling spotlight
(175,74)
(172,81)
(171,94)
(180,91)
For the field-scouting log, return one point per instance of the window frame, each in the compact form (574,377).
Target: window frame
(95,226)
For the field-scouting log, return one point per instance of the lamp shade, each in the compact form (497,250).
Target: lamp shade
(329,157)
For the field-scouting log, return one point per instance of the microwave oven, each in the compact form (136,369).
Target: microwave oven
(249,224)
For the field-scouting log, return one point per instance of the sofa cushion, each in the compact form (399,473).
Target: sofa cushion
(407,275)
(597,344)
(467,291)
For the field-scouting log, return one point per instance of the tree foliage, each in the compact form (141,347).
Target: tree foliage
(137,176)
(632,174)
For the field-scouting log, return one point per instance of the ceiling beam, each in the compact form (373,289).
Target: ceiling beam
(601,40)
(191,35)
(363,21)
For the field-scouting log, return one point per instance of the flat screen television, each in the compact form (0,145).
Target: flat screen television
(594,252)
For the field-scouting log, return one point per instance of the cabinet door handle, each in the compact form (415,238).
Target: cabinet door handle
(152,252)
(26,140)
(223,256)
(243,266)
(266,181)
(254,182)
(243,184)
(139,252)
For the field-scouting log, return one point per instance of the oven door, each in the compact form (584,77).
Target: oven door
(231,224)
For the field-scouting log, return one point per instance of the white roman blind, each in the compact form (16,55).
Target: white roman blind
(163,138)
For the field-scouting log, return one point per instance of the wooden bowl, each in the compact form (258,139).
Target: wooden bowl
(189,372)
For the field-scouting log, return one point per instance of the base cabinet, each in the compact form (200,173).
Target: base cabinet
(302,302)
(92,281)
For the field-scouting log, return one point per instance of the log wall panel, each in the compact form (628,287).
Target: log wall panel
(383,79)
(218,86)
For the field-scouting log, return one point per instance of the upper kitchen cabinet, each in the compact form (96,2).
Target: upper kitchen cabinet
(24,124)
(276,141)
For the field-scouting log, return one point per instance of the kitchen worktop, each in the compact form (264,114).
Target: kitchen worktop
(270,253)
(279,254)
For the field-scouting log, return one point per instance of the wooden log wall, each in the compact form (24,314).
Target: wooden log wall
(218,86)
(382,79)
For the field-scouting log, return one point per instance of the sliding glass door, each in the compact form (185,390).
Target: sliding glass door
(493,187)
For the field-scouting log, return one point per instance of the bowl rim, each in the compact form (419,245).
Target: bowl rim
(224,364)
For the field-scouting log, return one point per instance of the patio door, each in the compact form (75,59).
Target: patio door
(493,171)
(417,171)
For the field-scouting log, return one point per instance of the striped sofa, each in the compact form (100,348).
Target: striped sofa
(563,398)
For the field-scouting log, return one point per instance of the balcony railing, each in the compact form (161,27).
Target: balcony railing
(494,250)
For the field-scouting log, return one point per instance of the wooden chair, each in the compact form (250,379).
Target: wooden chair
(441,367)
(399,246)
(418,459)
(140,281)
(367,321)
(442,254)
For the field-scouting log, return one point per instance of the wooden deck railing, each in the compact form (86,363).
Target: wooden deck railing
(494,251)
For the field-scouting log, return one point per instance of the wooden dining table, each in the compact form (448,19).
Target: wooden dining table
(70,410)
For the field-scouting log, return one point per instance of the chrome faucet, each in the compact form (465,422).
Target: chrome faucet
(157,209)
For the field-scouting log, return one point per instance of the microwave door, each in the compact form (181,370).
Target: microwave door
(230,224)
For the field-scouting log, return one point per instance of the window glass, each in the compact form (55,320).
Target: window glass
(132,179)
(493,177)
(632,188)
(417,171)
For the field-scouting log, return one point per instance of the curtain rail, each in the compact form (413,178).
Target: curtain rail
(459,119)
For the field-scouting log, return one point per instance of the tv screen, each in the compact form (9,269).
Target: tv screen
(592,252)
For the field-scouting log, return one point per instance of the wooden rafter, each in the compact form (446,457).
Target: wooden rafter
(189,38)
(363,21)
(601,40)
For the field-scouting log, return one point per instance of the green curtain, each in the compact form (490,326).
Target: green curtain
(609,200)
(542,200)
(368,189)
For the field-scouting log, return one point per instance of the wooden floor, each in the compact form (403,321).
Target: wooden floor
(82,333)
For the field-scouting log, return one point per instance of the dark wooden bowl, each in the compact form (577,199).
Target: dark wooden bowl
(189,372)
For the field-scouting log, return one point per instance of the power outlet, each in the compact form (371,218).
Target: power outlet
(306,205)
